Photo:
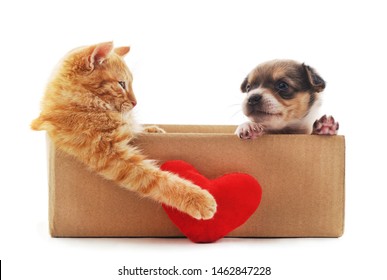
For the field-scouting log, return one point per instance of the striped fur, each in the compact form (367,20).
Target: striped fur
(86,110)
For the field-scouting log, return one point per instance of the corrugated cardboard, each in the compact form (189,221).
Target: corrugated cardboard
(302,177)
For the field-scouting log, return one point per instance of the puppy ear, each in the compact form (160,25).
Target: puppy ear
(315,80)
(244,84)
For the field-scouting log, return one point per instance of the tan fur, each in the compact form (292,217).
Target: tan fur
(294,108)
(270,109)
(87,113)
(291,109)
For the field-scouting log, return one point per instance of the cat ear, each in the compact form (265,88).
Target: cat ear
(122,51)
(100,53)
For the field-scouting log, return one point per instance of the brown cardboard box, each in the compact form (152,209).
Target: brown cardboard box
(302,178)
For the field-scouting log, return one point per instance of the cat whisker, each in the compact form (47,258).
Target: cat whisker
(101,110)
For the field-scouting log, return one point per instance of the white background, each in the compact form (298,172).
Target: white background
(188,59)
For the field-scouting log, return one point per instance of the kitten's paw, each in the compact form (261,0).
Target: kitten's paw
(153,129)
(249,130)
(201,205)
(326,125)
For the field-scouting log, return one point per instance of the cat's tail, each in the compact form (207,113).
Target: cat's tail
(38,124)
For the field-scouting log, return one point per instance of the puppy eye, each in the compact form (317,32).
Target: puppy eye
(122,84)
(282,86)
(283,90)
(248,87)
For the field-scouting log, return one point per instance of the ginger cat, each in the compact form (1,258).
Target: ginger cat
(86,111)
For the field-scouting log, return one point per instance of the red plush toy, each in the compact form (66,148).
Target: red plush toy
(238,196)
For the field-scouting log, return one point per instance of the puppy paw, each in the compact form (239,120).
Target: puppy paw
(249,130)
(201,206)
(153,129)
(326,125)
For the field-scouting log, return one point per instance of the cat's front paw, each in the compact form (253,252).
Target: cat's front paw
(153,129)
(326,125)
(201,205)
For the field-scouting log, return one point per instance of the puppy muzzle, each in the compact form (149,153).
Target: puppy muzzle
(254,99)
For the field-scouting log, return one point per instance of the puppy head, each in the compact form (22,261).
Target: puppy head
(281,94)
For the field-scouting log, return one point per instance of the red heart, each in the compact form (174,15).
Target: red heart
(237,195)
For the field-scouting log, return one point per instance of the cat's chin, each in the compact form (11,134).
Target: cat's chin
(126,107)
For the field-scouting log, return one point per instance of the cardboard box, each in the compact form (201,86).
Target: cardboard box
(302,177)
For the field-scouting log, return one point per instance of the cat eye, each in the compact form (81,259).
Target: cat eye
(122,84)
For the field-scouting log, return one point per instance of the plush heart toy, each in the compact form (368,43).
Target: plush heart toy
(237,195)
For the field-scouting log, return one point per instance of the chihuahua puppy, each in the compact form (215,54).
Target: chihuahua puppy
(283,97)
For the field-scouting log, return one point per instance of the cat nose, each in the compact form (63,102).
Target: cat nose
(131,98)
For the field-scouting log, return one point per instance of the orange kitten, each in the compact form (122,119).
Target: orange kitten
(86,111)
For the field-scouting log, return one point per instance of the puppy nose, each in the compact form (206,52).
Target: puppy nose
(254,99)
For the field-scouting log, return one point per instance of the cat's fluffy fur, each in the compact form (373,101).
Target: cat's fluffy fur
(86,111)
